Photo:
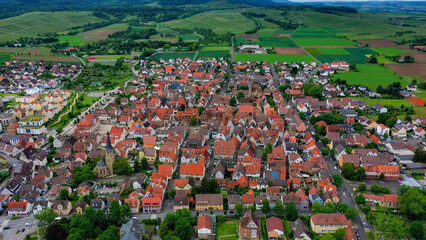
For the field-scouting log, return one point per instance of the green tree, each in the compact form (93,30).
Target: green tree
(339,234)
(56,232)
(240,95)
(46,217)
(51,139)
(279,208)
(417,230)
(302,115)
(362,187)
(316,207)
(194,121)
(144,163)
(110,234)
(360,173)
(341,207)
(137,166)
(391,122)
(337,179)
(348,171)
(350,213)
(382,176)
(232,101)
(266,208)
(239,208)
(183,229)
(325,141)
(64,194)
(267,150)
(360,199)
(125,210)
(312,89)
(413,203)
(122,167)
(419,155)
(252,208)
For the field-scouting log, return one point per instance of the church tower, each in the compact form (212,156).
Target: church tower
(109,156)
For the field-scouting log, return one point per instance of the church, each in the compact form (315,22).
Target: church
(104,166)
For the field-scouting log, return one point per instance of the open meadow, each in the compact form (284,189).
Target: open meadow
(244,57)
(35,23)
(42,53)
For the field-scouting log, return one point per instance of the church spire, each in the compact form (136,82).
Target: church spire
(108,144)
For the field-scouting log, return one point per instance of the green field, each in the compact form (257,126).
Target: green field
(244,57)
(281,31)
(116,26)
(276,42)
(190,37)
(384,102)
(312,34)
(73,40)
(421,95)
(215,48)
(390,51)
(226,228)
(167,56)
(113,57)
(35,23)
(333,51)
(350,55)
(356,59)
(220,21)
(324,42)
(4,57)
(212,54)
(371,76)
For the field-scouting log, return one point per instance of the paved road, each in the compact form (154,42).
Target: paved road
(63,114)
(16,225)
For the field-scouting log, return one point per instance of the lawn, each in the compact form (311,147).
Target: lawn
(332,41)
(276,42)
(212,54)
(421,95)
(333,51)
(388,222)
(384,102)
(167,56)
(4,57)
(35,23)
(190,37)
(220,21)
(357,59)
(371,76)
(390,51)
(420,111)
(244,57)
(227,228)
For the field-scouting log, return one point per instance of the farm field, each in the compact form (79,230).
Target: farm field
(169,55)
(276,42)
(370,76)
(408,69)
(244,57)
(35,23)
(324,42)
(215,48)
(290,51)
(38,54)
(212,54)
(73,40)
(421,95)
(389,51)
(190,37)
(99,34)
(350,55)
(113,57)
(385,102)
(4,57)
(220,21)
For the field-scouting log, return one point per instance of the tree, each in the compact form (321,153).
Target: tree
(265,206)
(375,188)
(360,173)
(302,115)
(122,167)
(125,210)
(341,207)
(56,232)
(324,151)
(252,208)
(417,230)
(51,139)
(316,207)
(232,101)
(291,211)
(372,59)
(240,95)
(46,217)
(239,208)
(279,208)
(350,213)
(312,89)
(337,179)
(194,121)
(391,122)
(360,199)
(110,234)
(267,150)
(64,194)
(382,176)
(144,163)
(137,166)
(183,229)
(413,203)
(325,141)
(339,234)
(362,187)
(348,171)
(419,155)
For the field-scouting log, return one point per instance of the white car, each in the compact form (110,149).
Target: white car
(28,224)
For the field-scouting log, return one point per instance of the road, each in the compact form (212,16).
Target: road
(63,114)
(16,225)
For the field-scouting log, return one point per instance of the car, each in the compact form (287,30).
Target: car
(335,168)
(6,227)
(136,218)
(28,224)
(23,230)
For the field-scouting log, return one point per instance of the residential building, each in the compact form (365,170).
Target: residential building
(329,222)
(208,202)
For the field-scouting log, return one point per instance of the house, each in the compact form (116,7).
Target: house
(329,222)
(249,226)
(420,132)
(134,204)
(59,141)
(151,204)
(19,208)
(62,207)
(412,88)
(181,200)
(232,200)
(389,172)
(208,202)
(274,228)
(382,130)
(387,200)
(80,207)
(300,230)
(224,149)
(132,230)
(204,227)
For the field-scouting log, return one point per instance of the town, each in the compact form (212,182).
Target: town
(209,149)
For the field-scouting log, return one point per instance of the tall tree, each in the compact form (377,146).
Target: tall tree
(46,217)
(279,208)
(56,232)
(239,207)
(291,211)
(266,208)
